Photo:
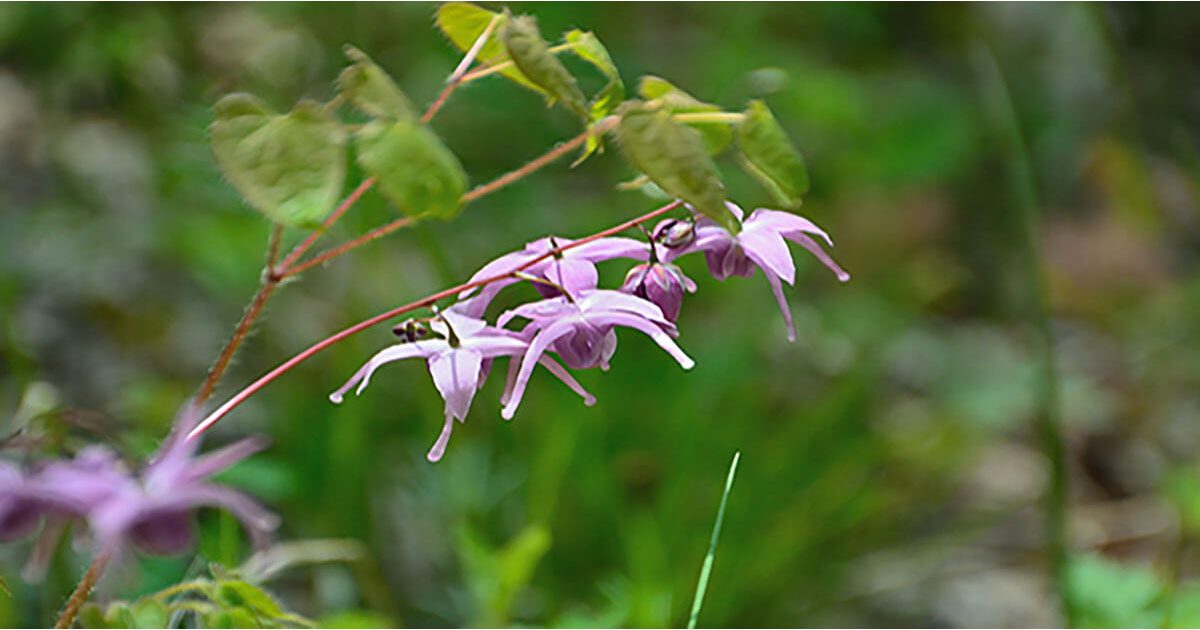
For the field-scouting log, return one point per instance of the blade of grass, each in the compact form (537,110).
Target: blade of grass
(1002,115)
(706,569)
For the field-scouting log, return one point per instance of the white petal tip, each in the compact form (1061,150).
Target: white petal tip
(433,458)
(589,401)
(687,364)
(507,413)
(335,398)
(843,277)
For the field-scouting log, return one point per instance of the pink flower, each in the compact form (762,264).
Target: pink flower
(574,269)
(459,352)
(581,332)
(760,243)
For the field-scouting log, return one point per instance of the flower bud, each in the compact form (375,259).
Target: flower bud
(675,233)
(662,284)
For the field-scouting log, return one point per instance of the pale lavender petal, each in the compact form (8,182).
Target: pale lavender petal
(567,378)
(606,299)
(608,349)
(604,249)
(537,348)
(439,447)
(456,375)
(575,276)
(770,252)
(551,308)
(785,223)
(815,248)
(653,331)
(392,353)
(490,346)
(259,522)
(510,379)
(777,289)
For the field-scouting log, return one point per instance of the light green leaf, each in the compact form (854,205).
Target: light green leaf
(716,136)
(415,170)
(371,90)
(770,157)
(672,155)
(1109,594)
(290,167)
(462,23)
(532,56)
(588,47)
(240,594)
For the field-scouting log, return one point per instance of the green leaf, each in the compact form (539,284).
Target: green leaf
(716,136)
(1112,595)
(462,23)
(120,615)
(588,47)
(290,167)
(371,90)
(532,56)
(149,613)
(672,155)
(415,170)
(92,616)
(240,594)
(770,157)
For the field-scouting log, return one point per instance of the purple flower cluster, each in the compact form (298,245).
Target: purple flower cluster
(150,509)
(576,321)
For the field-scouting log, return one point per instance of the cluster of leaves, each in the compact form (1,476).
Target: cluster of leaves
(291,166)
(222,601)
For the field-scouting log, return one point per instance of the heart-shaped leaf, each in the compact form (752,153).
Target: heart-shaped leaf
(672,155)
(717,135)
(290,167)
(414,169)
(769,156)
(371,90)
(532,56)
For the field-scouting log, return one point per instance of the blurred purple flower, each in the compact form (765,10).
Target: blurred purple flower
(760,243)
(581,333)
(574,269)
(459,358)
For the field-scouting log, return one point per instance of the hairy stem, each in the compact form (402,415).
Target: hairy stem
(537,163)
(334,252)
(82,591)
(286,366)
(456,77)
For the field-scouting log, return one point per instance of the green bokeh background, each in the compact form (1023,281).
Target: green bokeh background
(889,472)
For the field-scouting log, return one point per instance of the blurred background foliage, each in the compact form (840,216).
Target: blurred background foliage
(889,472)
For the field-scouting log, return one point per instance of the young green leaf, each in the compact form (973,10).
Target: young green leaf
(371,90)
(672,155)
(532,56)
(290,167)
(463,23)
(770,157)
(588,47)
(716,136)
(415,170)
(242,594)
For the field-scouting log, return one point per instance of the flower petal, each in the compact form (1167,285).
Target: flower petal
(392,353)
(769,251)
(786,223)
(814,248)
(537,348)
(456,375)
(439,447)
(777,289)
(566,377)
(652,330)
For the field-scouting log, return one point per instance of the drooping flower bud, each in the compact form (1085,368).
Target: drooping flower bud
(662,284)
(675,233)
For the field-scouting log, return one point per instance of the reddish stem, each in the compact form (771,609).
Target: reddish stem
(342,208)
(286,366)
